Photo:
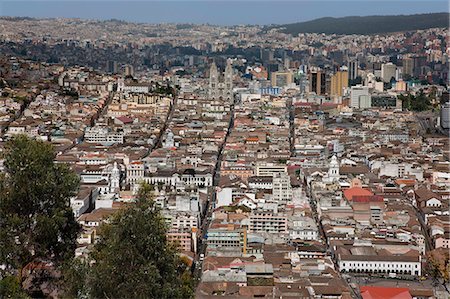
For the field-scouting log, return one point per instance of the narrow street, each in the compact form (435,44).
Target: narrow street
(312,202)
(157,142)
(428,243)
(206,220)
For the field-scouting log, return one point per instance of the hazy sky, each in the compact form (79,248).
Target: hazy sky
(216,12)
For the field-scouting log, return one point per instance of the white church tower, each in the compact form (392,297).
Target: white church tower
(114,181)
(333,170)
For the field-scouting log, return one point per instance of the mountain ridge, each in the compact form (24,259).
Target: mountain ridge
(368,24)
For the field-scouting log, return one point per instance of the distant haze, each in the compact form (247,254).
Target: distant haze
(216,12)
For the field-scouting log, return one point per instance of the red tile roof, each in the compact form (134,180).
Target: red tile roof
(356,191)
(367,198)
(125,119)
(368,292)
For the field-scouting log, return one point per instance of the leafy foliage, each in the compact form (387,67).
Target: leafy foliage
(420,102)
(439,264)
(10,288)
(36,221)
(370,24)
(132,259)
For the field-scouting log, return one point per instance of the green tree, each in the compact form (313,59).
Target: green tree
(36,221)
(75,273)
(438,265)
(10,288)
(133,260)
(420,102)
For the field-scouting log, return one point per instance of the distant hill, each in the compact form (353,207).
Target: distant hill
(369,24)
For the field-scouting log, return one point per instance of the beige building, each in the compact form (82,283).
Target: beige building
(339,81)
(281,79)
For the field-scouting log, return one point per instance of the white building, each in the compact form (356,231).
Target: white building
(398,264)
(356,93)
(282,189)
(133,87)
(388,70)
(224,197)
(268,222)
(102,135)
(269,169)
(260,182)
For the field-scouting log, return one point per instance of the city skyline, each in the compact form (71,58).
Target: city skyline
(215,12)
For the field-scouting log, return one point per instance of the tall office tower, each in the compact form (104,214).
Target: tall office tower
(327,85)
(419,62)
(408,66)
(353,67)
(317,82)
(266,55)
(359,94)
(388,71)
(221,90)
(129,70)
(287,63)
(111,66)
(339,81)
(281,187)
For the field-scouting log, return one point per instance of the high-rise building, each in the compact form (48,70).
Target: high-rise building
(339,81)
(266,55)
(111,67)
(317,82)
(353,67)
(129,70)
(408,66)
(388,71)
(221,90)
(281,187)
(358,93)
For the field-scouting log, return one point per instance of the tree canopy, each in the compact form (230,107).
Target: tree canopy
(36,221)
(420,102)
(132,259)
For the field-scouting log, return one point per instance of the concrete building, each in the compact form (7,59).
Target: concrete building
(102,135)
(380,263)
(353,67)
(227,238)
(356,93)
(268,222)
(339,81)
(281,79)
(317,82)
(388,71)
(269,169)
(445,116)
(408,66)
(282,189)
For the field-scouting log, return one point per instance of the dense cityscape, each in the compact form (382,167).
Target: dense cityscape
(282,165)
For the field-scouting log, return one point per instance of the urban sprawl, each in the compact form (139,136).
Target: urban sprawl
(308,166)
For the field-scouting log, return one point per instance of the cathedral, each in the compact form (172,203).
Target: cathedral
(221,90)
